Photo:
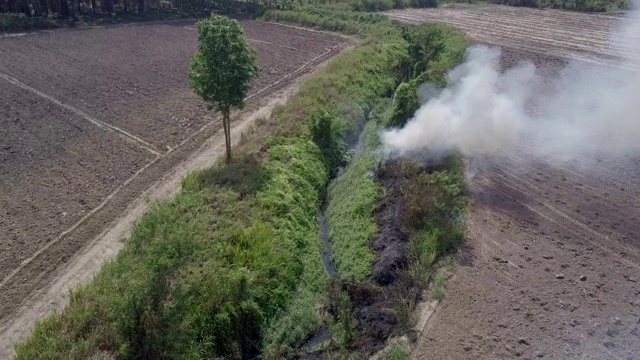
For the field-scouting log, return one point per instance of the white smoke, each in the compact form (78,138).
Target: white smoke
(585,109)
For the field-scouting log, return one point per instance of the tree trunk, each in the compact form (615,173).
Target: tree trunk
(140,6)
(64,9)
(226,122)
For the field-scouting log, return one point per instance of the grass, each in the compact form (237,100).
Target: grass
(439,287)
(204,272)
(354,195)
(329,18)
(350,214)
(398,353)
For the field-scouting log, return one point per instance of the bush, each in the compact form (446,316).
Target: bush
(405,104)
(20,22)
(324,18)
(372,5)
(398,353)
(326,133)
(424,3)
(576,5)
(435,203)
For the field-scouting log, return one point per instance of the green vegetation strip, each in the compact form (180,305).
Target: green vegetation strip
(231,268)
(350,214)
(354,195)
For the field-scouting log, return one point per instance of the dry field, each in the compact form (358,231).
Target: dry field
(552,264)
(90,119)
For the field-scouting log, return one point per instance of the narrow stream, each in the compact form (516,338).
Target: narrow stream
(327,254)
(323,333)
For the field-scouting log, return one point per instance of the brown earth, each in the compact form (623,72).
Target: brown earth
(551,268)
(90,119)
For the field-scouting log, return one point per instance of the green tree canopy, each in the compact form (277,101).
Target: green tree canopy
(222,68)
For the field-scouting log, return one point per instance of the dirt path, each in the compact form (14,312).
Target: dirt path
(552,263)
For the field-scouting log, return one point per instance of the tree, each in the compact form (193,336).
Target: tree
(426,44)
(222,68)
(405,104)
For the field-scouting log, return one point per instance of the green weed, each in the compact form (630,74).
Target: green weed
(439,286)
(398,353)
(350,214)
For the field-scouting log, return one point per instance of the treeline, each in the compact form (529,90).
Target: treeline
(73,8)
(15,12)
(575,5)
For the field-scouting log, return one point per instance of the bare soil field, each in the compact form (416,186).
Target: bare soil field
(90,119)
(551,268)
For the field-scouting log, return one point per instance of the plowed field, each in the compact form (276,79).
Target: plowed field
(552,263)
(90,119)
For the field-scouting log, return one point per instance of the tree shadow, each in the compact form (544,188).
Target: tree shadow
(245,178)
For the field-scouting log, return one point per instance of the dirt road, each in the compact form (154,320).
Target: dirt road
(93,124)
(552,263)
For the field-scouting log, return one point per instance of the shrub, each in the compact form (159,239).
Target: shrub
(13,22)
(326,133)
(398,353)
(405,104)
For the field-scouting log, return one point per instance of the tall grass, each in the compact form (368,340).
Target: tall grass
(329,18)
(350,214)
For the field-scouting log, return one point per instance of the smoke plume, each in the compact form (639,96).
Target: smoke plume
(583,110)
